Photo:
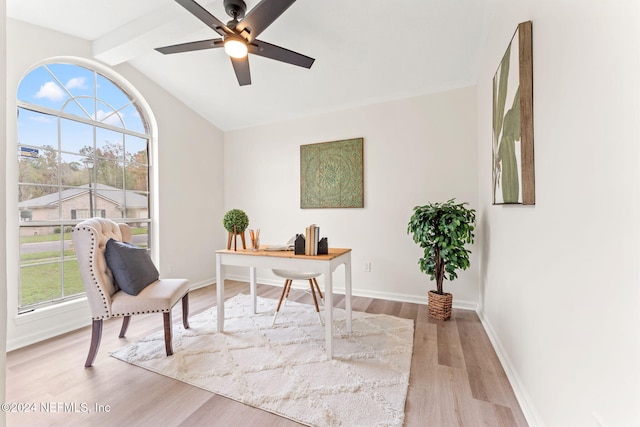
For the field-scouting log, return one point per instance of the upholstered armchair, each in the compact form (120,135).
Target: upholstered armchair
(112,298)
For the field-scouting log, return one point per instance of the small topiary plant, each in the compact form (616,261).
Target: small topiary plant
(235,217)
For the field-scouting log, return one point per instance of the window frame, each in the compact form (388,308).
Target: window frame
(146,118)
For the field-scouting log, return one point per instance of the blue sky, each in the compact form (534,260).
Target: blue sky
(75,89)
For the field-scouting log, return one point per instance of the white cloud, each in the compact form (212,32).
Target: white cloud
(42,119)
(51,91)
(76,82)
(114,119)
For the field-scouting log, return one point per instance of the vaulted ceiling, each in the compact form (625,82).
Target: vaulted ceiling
(365,51)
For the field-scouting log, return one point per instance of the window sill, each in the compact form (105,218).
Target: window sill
(52,311)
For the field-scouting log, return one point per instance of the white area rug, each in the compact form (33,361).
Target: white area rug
(283,369)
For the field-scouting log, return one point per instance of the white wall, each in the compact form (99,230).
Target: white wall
(187,171)
(415,151)
(3,218)
(560,279)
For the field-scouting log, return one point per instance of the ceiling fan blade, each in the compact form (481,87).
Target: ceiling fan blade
(261,16)
(202,14)
(241,67)
(191,46)
(278,53)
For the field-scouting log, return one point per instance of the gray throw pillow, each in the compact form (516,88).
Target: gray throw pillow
(131,266)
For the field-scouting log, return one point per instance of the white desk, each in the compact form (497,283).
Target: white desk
(287,260)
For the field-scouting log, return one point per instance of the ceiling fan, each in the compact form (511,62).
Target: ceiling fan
(239,35)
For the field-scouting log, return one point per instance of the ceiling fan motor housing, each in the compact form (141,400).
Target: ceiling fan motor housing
(235,8)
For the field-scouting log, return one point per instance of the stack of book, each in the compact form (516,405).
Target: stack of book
(311,238)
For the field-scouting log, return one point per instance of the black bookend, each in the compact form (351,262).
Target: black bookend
(299,245)
(323,246)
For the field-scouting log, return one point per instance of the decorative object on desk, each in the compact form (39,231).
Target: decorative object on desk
(332,174)
(299,245)
(235,222)
(323,246)
(442,230)
(284,369)
(301,248)
(513,166)
(255,239)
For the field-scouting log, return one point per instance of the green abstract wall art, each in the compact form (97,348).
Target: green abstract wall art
(513,166)
(332,174)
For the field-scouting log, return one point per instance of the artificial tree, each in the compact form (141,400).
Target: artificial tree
(442,230)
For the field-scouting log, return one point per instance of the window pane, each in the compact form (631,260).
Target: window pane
(137,178)
(40,251)
(37,129)
(108,115)
(81,107)
(109,172)
(39,282)
(39,87)
(140,234)
(132,119)
(37,167)
(77,80)
(72,280)
(73,172)
(75,202)
(109,144)
(76,137)
(42,201)
(110,92)
(136,149)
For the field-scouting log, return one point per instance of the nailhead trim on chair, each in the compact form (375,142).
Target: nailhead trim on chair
(93,274)
(95,281)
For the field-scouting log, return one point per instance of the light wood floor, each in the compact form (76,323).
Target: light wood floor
(456,378)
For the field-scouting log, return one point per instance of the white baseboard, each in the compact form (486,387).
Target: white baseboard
(527,406)
(389,296)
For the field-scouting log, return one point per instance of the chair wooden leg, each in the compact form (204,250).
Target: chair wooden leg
(282,295)
(168,333)
(125,325)
(287,285)
(313,294)
(96,336)
(315,301)
(185,310)
(315,282)
(284,292)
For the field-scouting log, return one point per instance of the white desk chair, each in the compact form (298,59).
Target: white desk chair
(289,277)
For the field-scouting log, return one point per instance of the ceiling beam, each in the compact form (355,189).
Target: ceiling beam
(165,25)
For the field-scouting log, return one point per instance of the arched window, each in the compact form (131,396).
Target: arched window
(83,151)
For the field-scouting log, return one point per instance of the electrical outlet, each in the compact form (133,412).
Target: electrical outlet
(366,266)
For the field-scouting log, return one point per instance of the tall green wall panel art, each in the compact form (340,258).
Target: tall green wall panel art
(513,167)
(332,174)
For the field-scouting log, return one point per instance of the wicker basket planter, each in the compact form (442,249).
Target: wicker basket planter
(440,305)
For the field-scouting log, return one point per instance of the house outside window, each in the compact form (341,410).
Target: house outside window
(82,152)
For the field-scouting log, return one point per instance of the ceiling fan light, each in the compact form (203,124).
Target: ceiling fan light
(235,47)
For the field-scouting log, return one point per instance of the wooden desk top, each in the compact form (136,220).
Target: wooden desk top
(333,253)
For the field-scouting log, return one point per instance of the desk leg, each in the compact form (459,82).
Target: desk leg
(252,288)
(220,292)
(347,291)
(328,311)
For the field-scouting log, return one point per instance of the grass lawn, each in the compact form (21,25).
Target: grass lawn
(41,272)
(42,282)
